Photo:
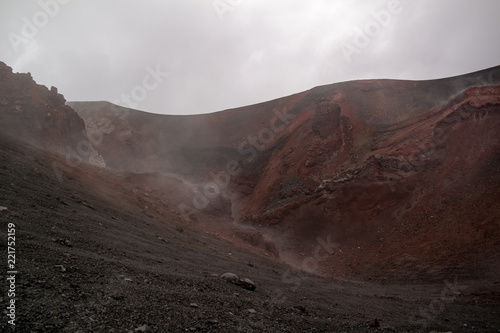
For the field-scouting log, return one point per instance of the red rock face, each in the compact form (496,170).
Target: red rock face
(378,178)
(419,191)
(37,115)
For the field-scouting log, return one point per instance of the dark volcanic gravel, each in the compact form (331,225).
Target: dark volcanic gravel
(89,262)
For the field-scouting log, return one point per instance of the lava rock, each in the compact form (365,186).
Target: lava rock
(242,282)
(61,267)
(230,277)
(118,297)
(143,328)
(373,323)
(247,284)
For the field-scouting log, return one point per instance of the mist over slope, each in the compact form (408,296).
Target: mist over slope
(379,166)
(181,143)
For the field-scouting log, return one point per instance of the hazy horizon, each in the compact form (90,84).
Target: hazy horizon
(187,57)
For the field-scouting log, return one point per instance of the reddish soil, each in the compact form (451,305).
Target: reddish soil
(379,166)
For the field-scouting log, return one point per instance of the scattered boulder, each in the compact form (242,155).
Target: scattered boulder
(117,297)
(163,239)
(300,308)
(148,214)
(2,208)
(230,277)
(247,284)
(64,242)
(143,328)
(242,282)
(373,323)
(193,305)
(88,205)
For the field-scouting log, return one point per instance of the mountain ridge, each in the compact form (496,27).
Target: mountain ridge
(274,169)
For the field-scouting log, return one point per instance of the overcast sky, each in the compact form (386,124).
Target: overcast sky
(199,56)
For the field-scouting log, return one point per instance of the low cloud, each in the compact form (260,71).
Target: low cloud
(258,50)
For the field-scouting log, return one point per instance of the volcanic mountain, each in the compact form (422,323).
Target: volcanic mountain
(391,181)
(402,176)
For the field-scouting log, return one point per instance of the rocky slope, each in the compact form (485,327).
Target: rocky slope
(90,260)
(36,115)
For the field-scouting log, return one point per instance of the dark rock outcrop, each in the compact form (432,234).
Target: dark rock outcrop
(34,114)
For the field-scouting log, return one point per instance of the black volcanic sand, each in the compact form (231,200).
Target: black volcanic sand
(88,263)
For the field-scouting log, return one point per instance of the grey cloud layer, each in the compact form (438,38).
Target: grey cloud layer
(228,53)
